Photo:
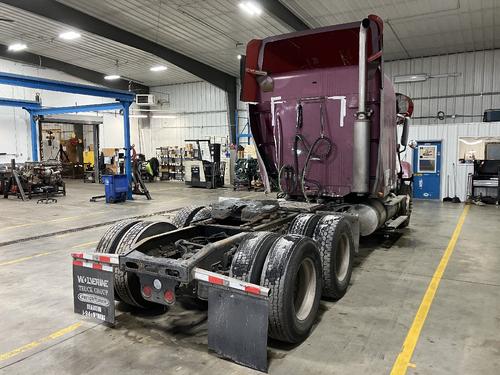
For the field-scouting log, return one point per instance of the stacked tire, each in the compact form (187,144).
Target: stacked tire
(120,239)
(191,214)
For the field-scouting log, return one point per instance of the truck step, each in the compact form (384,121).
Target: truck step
(397,221)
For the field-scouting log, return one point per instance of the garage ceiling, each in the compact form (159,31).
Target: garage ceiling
(216,31)
(414,28)
(90,51)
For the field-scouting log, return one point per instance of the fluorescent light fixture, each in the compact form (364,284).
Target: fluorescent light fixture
(138,116)
(70,35)
(251,8)
(421,77)
(16,47)
(164,116)
(471,143)
(239,57)
(158,68)
(112,77)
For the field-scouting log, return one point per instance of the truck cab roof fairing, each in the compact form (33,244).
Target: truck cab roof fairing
(325,47)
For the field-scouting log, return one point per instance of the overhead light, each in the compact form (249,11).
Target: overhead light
(164,116)
(112,77)
(70,35)
(239,57)
(411,78)
(251,8)
(158,68)
(16,47)
(138,116)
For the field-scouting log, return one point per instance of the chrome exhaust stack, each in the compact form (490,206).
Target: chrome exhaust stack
(361,146)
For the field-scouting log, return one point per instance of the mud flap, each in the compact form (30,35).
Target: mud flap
(93,290)
(93,293)
(237,326)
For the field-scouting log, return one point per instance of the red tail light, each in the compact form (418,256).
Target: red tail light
(169,296)
(147,291)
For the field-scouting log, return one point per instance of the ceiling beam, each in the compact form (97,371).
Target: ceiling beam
(59,12)
(285,15)
(74,70)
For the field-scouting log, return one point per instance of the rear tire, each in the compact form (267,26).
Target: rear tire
(304,224)
(251,255)
(292,272)
(335,240)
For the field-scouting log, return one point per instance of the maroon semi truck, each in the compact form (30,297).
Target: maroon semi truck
(324,119)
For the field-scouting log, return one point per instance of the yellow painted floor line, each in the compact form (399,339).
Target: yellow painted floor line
(403,361)
(54,220)
(85,244)
(34,344)
(19,260)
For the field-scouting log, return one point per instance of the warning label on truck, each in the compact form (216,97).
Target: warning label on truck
(93,293)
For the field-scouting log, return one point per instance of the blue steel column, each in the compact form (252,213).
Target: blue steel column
(128,149)
(236,120)
(34,138)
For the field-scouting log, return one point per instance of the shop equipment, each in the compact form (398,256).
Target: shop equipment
(30,179)
(455,198)
(447,198)
(204,168)
(484,182)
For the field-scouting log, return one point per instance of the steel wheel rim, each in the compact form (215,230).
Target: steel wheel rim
(342,256)
(305,289)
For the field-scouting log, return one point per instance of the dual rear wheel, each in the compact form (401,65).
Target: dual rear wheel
(313,260)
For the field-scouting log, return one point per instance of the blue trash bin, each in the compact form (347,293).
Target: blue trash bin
(115,188)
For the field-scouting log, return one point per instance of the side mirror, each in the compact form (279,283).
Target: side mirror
(404,109)
(404,134)
(404,105)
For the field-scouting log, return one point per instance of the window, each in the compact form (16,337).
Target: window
(478,148)
(427,155)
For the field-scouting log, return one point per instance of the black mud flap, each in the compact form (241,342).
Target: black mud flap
(237,326)
(93,292)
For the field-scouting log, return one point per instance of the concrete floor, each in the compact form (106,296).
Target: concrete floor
(361,334)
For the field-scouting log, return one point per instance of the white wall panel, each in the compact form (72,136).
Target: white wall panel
(463,98)
(200,111)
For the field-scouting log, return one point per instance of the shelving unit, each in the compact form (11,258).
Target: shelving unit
(171,163)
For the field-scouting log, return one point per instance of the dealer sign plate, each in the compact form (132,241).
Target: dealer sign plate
(93,293)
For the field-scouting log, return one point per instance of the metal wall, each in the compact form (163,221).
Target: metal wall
(463,98)
(200,111)
(15,135)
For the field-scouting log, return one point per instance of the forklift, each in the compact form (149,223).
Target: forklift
(203,167)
